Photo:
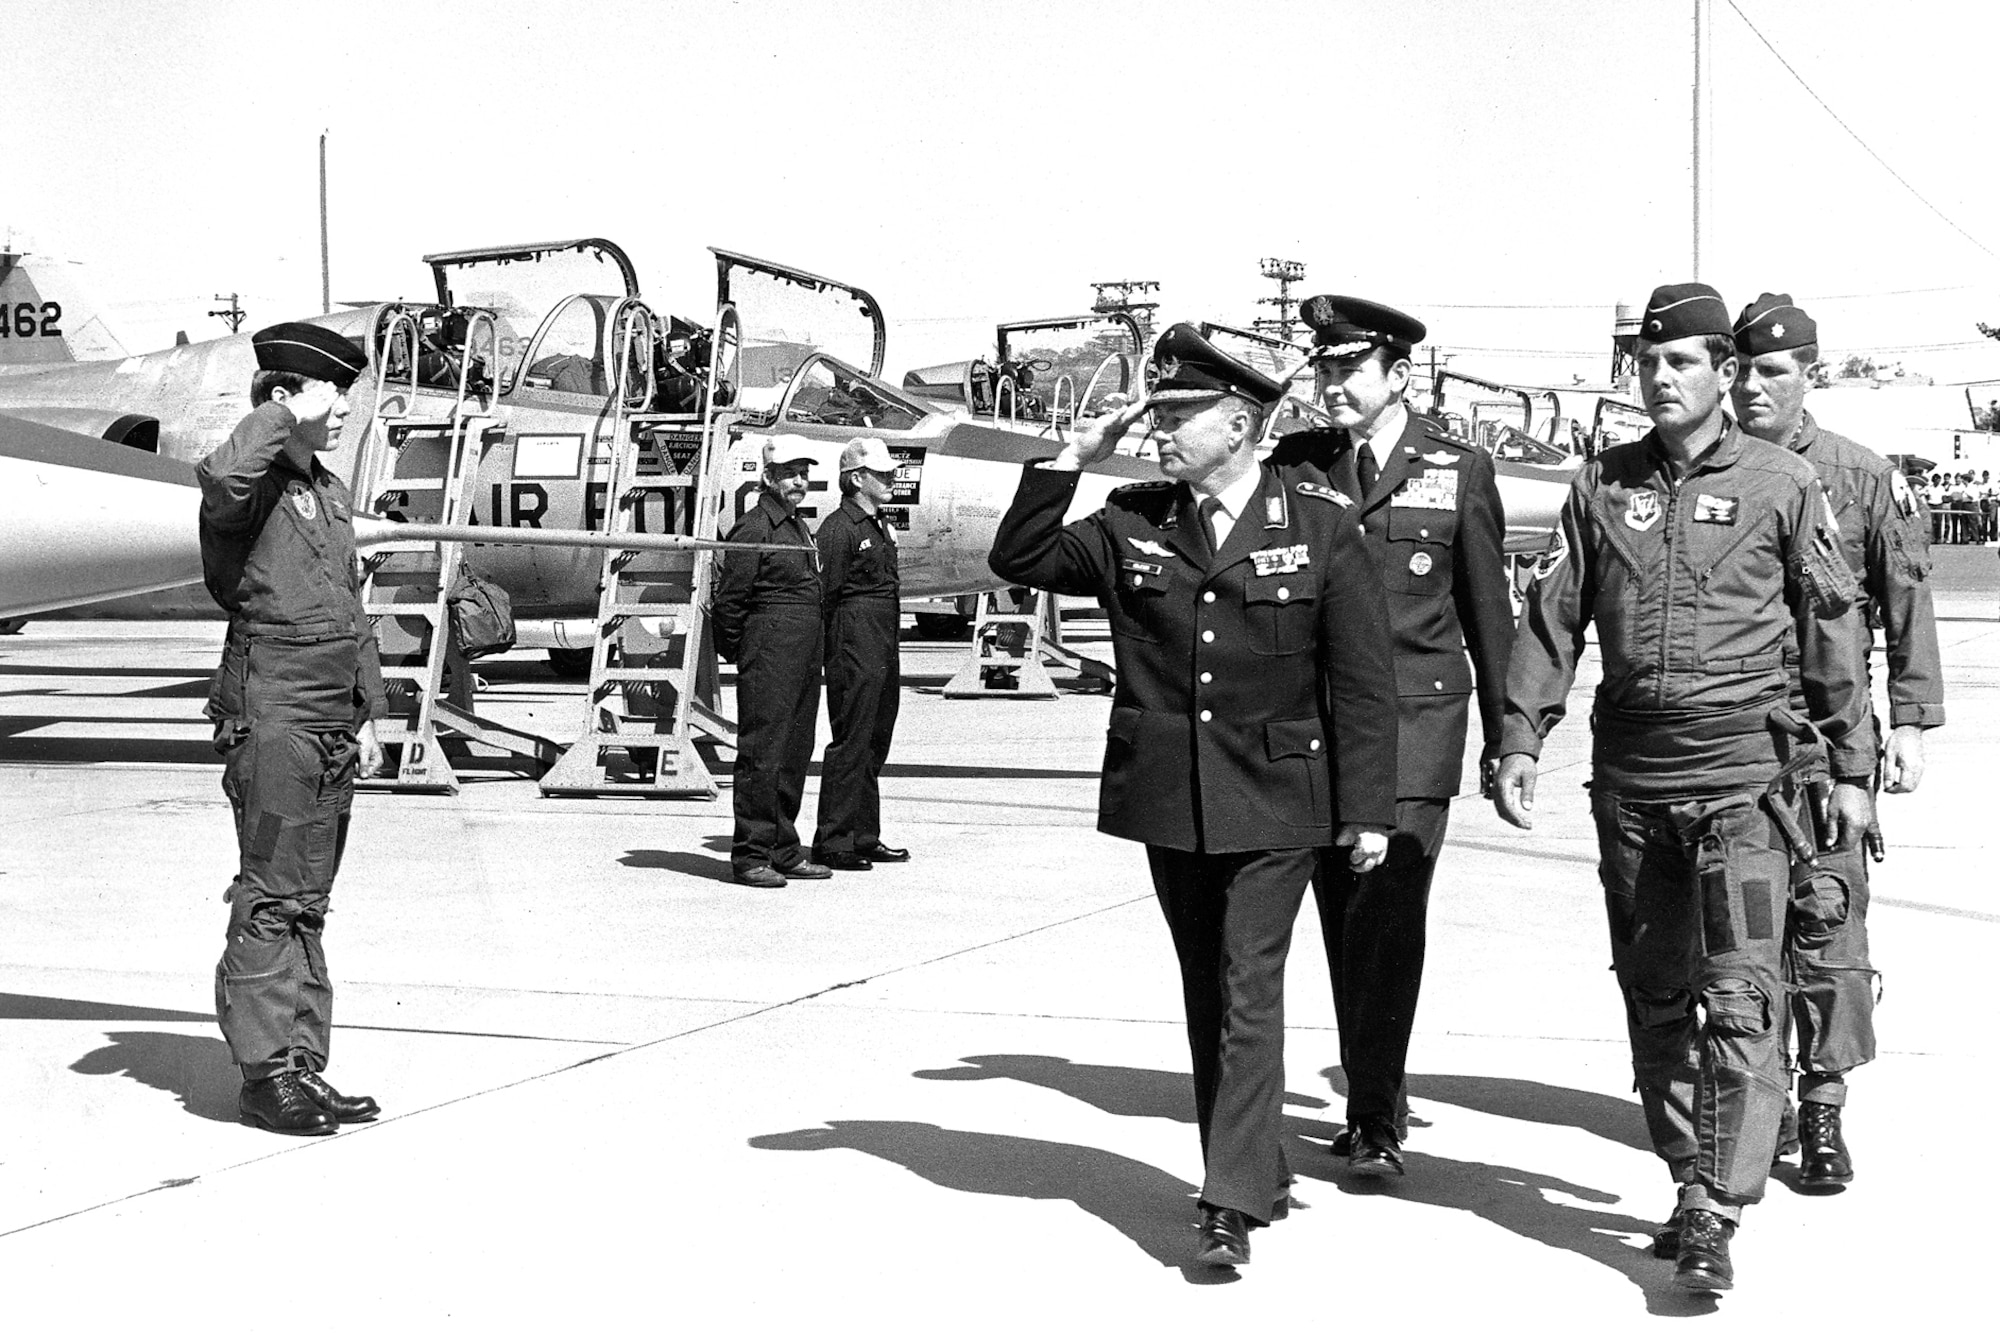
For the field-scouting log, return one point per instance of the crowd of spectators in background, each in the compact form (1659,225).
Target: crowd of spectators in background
(1962,505)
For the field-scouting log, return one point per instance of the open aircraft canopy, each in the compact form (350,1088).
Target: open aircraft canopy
(560,268)
(787,313)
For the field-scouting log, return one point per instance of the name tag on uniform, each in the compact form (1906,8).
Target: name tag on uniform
(1433,489)
(1281,560)
(1136,573)
(1715,509)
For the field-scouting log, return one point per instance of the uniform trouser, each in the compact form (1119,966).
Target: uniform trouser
(1373,923)
(1695,892)
(291,785)
(777,709)
(863,685)
(1826,964)
(1231,917)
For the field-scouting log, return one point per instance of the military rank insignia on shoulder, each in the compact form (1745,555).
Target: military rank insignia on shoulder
(1334,494)
(1136,489)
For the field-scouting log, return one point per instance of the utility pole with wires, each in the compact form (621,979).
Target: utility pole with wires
(1284,273)
(1115,298)
(233,313)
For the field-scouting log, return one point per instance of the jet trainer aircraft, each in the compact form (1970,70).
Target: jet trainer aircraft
(556,342)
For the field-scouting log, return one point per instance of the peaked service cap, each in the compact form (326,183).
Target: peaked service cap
(1771,324)
(1684,310)
(1191,368)
(310,350)
(1343,326)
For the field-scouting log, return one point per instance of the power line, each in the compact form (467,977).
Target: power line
(1852,135)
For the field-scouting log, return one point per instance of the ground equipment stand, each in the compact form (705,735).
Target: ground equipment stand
(651,675)
(425,468)
(1013,634)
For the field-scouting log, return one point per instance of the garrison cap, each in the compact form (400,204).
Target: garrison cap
(309,350)
(1684,310)
(1343,326)
(1193,368)
(1772,324)
(867,452)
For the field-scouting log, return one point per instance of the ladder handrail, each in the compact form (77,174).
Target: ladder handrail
(472,323)
(1063,382)
(1003,388)
(1125,376)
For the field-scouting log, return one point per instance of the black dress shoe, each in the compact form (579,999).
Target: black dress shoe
(881,852)
(360,1108)
(764,878)
(1667,1237)
(1224,1237)
(845,862)
(1824,1165)
(804,870)
(282,1104)
(1704,1265)
(1373,1150)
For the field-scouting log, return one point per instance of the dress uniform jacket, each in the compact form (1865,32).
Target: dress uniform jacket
(1435,525)
(1694,585)
(1254,707)
(300,670)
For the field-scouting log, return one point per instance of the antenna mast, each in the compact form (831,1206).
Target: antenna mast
(325,263)
(1115,298)
(1704,112)
(1284,273)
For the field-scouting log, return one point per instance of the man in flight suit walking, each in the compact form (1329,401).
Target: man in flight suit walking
(1255,699)
(1888,547)
(1430,512)
(1700,553)
(857,557)
(767,622)
(293,703)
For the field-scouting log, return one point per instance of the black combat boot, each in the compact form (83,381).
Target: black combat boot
(282,1104)
(1704,1265)
(1823,1162)
(360,1108)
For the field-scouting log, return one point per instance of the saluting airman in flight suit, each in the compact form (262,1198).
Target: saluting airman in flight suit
(1887,545)
(1700,553)
(293,704)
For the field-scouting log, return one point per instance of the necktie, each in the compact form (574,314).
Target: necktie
(1207,509)
(1365,466)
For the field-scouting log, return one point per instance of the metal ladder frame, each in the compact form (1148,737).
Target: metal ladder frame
(989,674)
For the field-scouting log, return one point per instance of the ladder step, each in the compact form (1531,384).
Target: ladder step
(390,484)
(428,611)
(612,675)
(621,737)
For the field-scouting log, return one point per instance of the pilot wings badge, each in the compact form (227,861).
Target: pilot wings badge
(303,502)
(1150,548)
(1442,458)
(1642,510)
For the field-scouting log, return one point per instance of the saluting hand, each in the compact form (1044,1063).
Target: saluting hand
(1514,790)
(1098,437)
(1365,848)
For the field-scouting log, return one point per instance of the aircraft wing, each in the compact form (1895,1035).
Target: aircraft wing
(82,520)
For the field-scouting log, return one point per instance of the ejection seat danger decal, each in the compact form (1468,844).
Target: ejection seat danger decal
(549,457)
(909,484)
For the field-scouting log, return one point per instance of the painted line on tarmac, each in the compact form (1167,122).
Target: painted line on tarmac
(1973,914)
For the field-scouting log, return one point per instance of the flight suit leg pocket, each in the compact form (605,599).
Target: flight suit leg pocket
(1819,907)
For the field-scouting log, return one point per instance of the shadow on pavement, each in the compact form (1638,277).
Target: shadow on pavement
(698,865)
(18,1006)
(1152,1208)
(196,1070)
(1512,1198)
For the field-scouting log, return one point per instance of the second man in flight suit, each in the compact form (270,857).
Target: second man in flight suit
(1430,513)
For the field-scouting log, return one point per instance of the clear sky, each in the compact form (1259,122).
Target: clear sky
(971,162)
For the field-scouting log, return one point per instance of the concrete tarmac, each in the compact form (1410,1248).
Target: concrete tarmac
(946,1095)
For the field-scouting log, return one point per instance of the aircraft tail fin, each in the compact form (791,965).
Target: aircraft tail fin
(45,318)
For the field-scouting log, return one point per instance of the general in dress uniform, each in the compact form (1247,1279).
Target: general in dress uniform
(1700,553)
(1255,700)
(293,703)
(1430,512)
(1887,545)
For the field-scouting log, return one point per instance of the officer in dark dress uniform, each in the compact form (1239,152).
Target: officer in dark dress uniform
(767,622)
(1887,545)
(293,704)
(1255,700)
(857,558)
(1700,553)
(1430,511)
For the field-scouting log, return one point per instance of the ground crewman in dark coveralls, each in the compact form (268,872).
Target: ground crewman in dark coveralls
(857,558)
(294,703)
(1429,509)
(1700,553)
(767,622)
(1254,722)
(1887,544)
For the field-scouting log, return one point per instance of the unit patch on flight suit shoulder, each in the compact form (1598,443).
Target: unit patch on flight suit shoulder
(1281,560)
(1642,510)
(1551,560)
(1433,489)
(303,501)
(1149,548)
(866,543)
(1338,497)
(1715,509)
(1899,488)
